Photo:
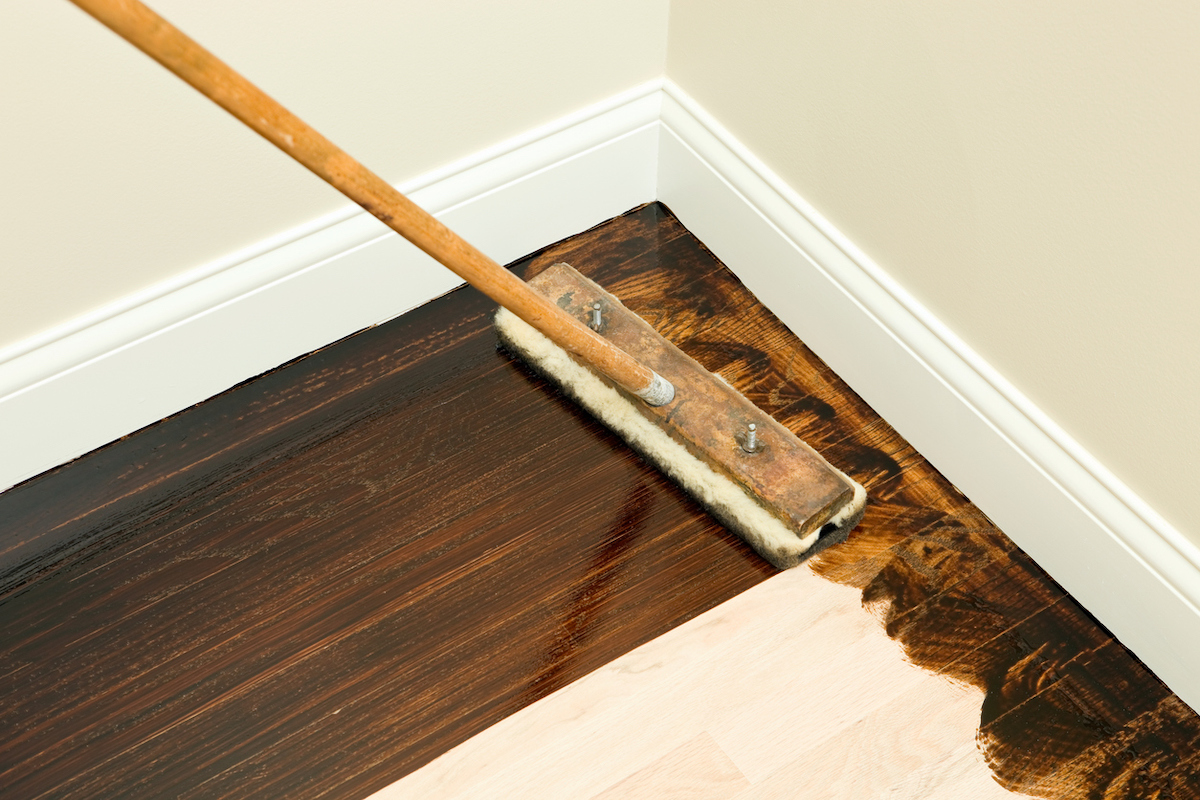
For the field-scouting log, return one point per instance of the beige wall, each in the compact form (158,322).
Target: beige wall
(1030,171)
(118,176)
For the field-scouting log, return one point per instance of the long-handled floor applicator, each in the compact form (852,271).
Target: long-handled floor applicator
(749,471)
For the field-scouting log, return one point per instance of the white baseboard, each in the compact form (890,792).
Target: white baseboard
(1122,561)
(130,364)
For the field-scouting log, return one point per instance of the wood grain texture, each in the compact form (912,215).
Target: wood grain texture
(317,582)
(696,770)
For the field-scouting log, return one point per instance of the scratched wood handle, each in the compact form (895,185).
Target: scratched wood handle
(166,44)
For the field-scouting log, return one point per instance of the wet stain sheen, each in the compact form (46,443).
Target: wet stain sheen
(315,583)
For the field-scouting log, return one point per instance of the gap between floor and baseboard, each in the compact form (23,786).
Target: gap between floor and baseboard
(128,365)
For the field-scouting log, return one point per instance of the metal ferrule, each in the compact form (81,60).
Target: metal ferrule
(659,392)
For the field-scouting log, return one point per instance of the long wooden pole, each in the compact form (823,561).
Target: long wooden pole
(166,44)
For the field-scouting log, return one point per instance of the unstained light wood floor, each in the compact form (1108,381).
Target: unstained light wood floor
(404,564)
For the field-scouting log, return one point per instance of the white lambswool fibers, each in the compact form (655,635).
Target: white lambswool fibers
(723,498)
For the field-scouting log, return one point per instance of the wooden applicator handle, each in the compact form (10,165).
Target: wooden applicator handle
(166,44)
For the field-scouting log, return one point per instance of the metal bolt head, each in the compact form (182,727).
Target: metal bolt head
(750,440)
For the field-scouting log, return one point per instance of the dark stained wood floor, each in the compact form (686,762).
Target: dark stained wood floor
(320,580)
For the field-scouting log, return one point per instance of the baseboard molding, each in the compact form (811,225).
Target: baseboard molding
(131,364)
(126,366)
(1129,567)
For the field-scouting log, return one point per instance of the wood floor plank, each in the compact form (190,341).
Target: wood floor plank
(696,770)
(900,750)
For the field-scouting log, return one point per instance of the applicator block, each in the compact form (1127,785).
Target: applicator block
(783,498)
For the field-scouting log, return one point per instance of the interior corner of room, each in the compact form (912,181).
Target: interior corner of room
(981,217)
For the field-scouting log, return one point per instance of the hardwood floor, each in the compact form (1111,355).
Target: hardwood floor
(321,581)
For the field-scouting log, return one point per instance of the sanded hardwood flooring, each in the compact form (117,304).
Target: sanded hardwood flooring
(324,580)
(764,696)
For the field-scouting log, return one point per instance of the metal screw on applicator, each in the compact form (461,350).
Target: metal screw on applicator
(597,319)
(750,443)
